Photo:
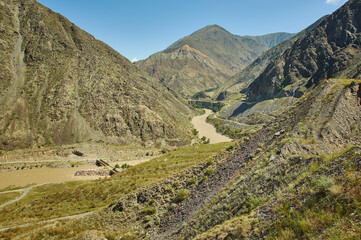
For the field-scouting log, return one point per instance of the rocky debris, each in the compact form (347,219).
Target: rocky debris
(78,153)
(279,133)
(91,172)
(255,172)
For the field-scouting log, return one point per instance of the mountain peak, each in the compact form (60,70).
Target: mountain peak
(210,28)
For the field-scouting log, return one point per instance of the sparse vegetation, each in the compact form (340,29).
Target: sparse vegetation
(224,129)
(125,166)
(77,197)
(181,195)
(208,172)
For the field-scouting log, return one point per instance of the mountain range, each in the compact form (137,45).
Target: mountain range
(293,173)
(206,58)
(240,81)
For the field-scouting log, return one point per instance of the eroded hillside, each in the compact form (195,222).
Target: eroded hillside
(326,52)
(60,85)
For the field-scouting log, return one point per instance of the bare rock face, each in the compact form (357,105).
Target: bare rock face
(241,81)
(330,50)
(60,85)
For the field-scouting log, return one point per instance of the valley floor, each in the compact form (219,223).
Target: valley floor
(208,130)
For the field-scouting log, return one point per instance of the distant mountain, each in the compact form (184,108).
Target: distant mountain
(272,39)
(60,85)
(244,78)
(333,49)
(206,58)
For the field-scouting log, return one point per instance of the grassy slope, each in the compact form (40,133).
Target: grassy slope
(281,169)
(324,203)
(56,200)
(4,197)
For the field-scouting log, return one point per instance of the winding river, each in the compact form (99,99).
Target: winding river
(208,130)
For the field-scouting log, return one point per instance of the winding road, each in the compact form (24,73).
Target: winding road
(48,221)
(25,192)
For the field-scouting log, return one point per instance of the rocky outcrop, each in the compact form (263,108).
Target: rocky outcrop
(60,85)
(330,50)
(222,96)
(241,81)
(91,172)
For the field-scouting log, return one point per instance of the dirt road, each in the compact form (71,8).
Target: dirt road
(48,221)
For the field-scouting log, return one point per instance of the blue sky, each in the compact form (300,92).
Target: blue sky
(139,28)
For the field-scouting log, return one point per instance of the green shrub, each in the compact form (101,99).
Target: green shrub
(230,148)
(148,210)
(125,165)
(325,183)
(168,189)
(208,172)
(204,178)
(192,180)
(181,195)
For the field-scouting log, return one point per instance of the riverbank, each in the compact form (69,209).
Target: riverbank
(208,130)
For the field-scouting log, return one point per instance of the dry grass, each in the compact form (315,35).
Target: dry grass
(4,197)
(58,200)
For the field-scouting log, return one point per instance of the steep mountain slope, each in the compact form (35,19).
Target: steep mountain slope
(244,78)
(325,52)
(205,58)
(60,85)
(273,160)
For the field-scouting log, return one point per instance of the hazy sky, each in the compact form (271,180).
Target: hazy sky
(139,28)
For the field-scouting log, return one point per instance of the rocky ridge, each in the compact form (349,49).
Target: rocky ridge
(326,52)
(241,81)
(60,85)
